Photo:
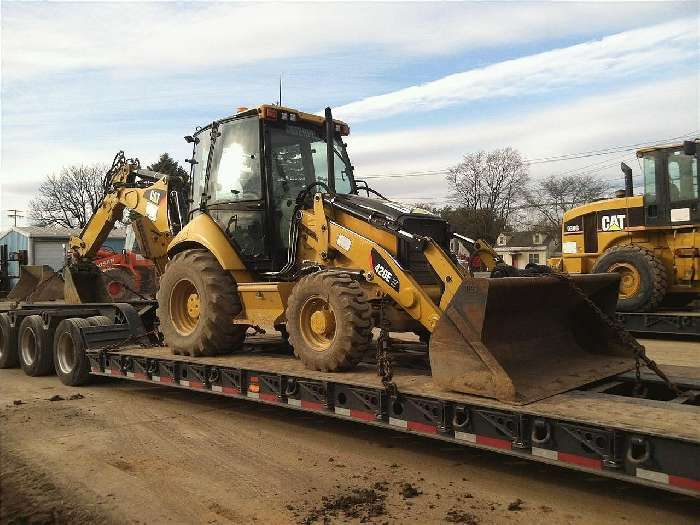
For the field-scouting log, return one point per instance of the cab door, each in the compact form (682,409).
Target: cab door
(235,196)
(682,182)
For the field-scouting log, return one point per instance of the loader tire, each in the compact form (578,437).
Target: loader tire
(8,343)
(34,347)
(197,302)
(70,360)
(329,321)
(643,281)
(120,282)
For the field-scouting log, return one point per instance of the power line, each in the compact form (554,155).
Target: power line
(543,160)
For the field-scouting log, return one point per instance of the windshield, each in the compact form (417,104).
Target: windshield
(234,174)
(298,158)
(199,168)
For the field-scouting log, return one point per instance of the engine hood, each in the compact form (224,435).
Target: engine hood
(379,209)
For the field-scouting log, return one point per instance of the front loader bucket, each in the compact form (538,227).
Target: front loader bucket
(85,283)
(520,339)
(37,283)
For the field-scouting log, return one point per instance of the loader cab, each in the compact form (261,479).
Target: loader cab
(671,185)
(248,169)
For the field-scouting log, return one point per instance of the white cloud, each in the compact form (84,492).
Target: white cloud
(615,56)
(152,37)
(628,116)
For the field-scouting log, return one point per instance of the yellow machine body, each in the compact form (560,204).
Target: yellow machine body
(663,224)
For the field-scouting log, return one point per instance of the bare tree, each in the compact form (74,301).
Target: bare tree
(486,186)
(547,199)
(69,198)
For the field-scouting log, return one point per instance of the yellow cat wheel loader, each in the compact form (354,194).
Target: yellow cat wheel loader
(651,240)
(276,233)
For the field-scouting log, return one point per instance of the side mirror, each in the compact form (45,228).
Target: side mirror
(690,147)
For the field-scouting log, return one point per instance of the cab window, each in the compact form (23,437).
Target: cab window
(682,177)
(649,167)
(235,165)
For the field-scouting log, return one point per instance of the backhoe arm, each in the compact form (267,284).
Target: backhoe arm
(148,205)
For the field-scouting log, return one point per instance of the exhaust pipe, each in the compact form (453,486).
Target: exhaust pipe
(330,151)
(629,186)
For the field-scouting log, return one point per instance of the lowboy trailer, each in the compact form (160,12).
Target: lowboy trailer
(623,427)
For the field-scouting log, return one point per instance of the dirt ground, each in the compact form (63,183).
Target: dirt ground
(122,452)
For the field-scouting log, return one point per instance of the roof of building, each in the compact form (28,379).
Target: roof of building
(49,232)
(522,239)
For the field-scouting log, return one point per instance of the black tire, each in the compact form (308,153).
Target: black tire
(34,347)
(71,362)
(119,283)
(211,331)
(148,281)
(99,320)
(342,305)
(650,275)
(8,343)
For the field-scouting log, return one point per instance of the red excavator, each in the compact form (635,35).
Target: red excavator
(128,274)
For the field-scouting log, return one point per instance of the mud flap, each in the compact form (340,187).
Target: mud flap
(85,283)
(521,339)
(37,283)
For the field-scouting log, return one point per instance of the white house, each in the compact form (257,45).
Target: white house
(520,248)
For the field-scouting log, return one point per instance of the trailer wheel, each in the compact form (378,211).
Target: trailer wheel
(8,343)
(329,321)
(72,364)
(197,302)
(34,347)
(643,281)
(119,283)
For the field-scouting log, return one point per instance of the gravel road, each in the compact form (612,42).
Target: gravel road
(122,452)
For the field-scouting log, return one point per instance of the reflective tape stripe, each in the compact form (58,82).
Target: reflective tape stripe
(545,453)
(398,422)
(651,475)
(465,436)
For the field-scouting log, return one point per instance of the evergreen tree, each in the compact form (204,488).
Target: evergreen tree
(169,166)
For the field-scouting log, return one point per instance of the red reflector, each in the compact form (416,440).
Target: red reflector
(271,113)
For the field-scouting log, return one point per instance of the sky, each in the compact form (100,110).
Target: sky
(420,84)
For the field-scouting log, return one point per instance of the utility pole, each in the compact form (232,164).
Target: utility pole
(14,214)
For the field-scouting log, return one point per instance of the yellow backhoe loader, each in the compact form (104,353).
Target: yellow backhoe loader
(277,234)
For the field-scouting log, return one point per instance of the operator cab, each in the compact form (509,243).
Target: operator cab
(247,171)
(671,181)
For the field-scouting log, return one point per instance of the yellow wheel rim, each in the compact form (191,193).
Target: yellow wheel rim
(184,306)
(317,323)
(630,280)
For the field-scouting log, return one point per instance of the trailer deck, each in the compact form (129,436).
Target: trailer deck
(674,323)
(599,429)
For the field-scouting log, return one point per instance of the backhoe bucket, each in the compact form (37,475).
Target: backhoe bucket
(85,283)
(37,283)
(520,339)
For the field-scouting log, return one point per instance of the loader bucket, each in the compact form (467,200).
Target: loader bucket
(520,339)
(37,283)
(85,283)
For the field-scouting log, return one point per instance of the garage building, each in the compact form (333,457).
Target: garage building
(41,245)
